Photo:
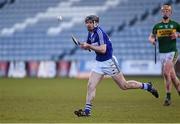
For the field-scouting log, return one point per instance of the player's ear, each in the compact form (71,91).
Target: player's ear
(95,24)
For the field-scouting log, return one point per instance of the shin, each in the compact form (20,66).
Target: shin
(94,80)
(167,77)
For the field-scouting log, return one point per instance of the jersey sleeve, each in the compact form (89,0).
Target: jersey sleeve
(101,37)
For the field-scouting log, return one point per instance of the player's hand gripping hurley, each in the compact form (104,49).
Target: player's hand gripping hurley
(76,42)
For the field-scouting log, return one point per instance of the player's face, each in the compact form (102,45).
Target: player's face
(89,25)
(166,12)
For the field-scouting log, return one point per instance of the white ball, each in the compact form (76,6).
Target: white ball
(59,18)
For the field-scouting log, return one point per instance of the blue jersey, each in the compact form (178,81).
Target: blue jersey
(99,37)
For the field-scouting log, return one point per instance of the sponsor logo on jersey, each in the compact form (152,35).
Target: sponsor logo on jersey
(165,32)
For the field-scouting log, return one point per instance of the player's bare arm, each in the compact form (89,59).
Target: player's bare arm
(152,38)
(99,49)
(175,35)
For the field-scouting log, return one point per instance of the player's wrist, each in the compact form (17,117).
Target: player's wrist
(153,41)
(89,46)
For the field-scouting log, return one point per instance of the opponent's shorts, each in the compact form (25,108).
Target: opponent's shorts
(172,56)
(109,67)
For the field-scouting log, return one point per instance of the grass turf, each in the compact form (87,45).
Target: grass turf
(54,100)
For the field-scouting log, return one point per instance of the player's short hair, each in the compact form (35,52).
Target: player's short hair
(166,7)
(93,18)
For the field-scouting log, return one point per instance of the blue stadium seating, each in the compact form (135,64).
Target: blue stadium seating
(33,42)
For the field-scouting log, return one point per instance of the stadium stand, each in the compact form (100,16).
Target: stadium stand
(29,29)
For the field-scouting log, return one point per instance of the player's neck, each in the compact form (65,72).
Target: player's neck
(166,20)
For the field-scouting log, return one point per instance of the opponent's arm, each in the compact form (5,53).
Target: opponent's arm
(178,31)
(152,38)
(175,35)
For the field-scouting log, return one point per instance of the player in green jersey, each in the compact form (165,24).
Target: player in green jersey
(166,32)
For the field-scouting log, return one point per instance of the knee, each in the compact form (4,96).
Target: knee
(167,77)
(168,67)
(124,86)
(166,73)
(173,76)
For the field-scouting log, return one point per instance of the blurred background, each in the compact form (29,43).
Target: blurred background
(33,43)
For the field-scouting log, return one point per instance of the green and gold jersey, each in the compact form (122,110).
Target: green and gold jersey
(163,32)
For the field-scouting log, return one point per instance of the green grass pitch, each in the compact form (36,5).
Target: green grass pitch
(54,100)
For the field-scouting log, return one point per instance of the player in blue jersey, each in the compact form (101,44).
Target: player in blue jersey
(106,64)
